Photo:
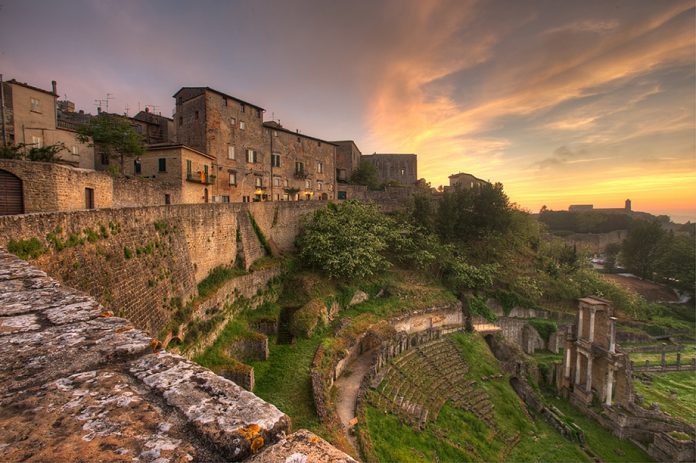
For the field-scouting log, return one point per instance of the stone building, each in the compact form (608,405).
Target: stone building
(302,167)
(154,128)
(592,365)
(29,116)
(253,161)
(231,131)
(464,180)
(188,172)
(399,169)
(347,159)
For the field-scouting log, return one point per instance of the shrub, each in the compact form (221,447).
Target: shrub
(26,249)
(260,235)
(216,278)
(545,328)
(478,306)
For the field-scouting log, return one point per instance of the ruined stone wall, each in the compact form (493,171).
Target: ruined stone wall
(596,243)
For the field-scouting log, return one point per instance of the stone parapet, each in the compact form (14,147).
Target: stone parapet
(79,383)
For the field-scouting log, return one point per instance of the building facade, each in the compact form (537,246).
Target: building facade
(347,159)
(187,172)
(396,169)
(464,180)
(253,161)
(302,167)
(29,116)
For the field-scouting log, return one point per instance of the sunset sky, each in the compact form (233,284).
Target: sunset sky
(564,102)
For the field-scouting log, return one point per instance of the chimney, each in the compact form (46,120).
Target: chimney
(54,85)
(147,109)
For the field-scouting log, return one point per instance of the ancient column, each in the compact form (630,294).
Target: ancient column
(588,383)
(610,385)
(567,362)
(612,335)
(592,320)
(577,367)
(580,323)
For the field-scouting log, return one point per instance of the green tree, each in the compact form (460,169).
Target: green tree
(640,249)
(675,263)
(610,253)
(47,153)
(346,240)
(423,210)
(113,135)
(366,174)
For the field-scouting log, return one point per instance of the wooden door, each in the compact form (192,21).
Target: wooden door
(11,194)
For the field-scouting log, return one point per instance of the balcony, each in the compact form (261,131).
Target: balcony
(301,175)
(200,177)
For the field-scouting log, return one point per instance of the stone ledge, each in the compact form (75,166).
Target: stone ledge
(77,383)
(302,447)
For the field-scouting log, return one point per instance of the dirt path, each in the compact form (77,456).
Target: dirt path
(347,387)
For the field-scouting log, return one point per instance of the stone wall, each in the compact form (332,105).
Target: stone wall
(55,187)
(596,243)
(133,192)
(136,261)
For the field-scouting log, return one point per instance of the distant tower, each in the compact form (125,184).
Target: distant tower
(628,205)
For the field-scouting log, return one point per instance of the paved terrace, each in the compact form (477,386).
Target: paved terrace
(78,384)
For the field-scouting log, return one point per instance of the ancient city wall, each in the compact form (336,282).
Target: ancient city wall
(138,261)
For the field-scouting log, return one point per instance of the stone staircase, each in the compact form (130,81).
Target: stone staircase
(417,384)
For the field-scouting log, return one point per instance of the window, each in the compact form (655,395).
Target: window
(308,184)
(276,181)
(242,125)
(224,101)
(286,183)
(318,143)
(75,150)
(35,105)
(299,167)
(275,160)
(275,133)
(181,121)
(233,122)
(341,174)
(403,172)
(251,156)
(298,140)
(162,164)
(233,178)
(189,167)
(342,195)
(245,199)
(167,198)
(230,152)
(258,113)
(242,107)
(137,167)
(89,198)
(37,142)
(258,182)
(319,185)
(320,167)
(225,199)
(104,159)
(195,115)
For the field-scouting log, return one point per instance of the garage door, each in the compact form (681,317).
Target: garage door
(11,198)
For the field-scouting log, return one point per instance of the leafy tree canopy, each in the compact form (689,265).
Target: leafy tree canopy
(29,152)
(641,247)
(113,135)
(366,174)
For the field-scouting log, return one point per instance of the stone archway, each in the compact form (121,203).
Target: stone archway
(11,194)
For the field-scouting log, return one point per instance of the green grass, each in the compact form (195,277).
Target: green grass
(216,278)
(600,440)
(683,383)
(284,381)
(639,358)
(458,435)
